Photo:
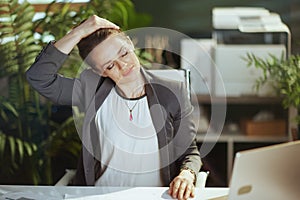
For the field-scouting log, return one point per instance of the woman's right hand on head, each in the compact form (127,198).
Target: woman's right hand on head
(92,24)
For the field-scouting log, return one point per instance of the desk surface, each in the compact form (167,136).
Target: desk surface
(12,192)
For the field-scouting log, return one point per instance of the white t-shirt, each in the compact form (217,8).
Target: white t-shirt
(129,148)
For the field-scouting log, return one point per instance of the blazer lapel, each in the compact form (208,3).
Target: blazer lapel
(159,118)
(90,138)
(104,87)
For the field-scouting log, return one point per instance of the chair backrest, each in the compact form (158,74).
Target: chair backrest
(182,75)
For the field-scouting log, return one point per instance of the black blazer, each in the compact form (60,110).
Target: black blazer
(170,109)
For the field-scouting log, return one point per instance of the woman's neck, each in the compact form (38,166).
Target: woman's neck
(132,89)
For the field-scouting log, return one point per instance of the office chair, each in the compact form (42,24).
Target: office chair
(173,74)
(182,75)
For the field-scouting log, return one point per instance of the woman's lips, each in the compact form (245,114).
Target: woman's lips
(127,72)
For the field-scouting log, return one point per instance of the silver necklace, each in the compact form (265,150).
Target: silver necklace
(131,109)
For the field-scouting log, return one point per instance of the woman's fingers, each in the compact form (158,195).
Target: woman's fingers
(181,188)
(92,24)
(104,23)
(189,191)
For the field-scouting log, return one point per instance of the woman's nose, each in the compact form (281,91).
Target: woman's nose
(122,64)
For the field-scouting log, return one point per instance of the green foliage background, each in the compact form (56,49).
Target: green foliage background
(284,73)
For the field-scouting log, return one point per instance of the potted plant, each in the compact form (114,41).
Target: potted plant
(284,74)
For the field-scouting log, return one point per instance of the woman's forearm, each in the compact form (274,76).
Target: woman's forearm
(68,42)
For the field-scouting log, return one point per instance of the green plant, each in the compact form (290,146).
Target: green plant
(121,12)
(20,109)
(28,136)
(284,74)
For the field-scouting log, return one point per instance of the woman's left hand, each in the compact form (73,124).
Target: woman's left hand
(182,186)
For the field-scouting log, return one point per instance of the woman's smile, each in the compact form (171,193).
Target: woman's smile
(128,71)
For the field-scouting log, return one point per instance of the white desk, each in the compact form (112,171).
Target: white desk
(103,193)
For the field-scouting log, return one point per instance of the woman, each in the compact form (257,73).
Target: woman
(137,129)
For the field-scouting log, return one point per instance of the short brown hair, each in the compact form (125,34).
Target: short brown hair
(87,44)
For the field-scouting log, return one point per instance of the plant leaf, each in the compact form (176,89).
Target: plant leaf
(20,148)
(2,144)
(12,146)
(11,108)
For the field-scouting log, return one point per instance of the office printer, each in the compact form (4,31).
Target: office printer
(241,30)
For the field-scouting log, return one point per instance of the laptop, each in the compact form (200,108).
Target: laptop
(266,173)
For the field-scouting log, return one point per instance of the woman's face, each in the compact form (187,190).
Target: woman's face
(115,58)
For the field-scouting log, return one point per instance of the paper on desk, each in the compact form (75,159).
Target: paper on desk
(132,194)
(124,195)
(118,197)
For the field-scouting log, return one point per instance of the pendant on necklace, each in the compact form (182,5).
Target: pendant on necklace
(130,115)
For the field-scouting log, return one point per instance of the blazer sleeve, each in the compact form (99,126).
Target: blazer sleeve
(43,76)
(184,125)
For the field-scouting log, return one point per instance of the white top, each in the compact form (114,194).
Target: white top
(129,148)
